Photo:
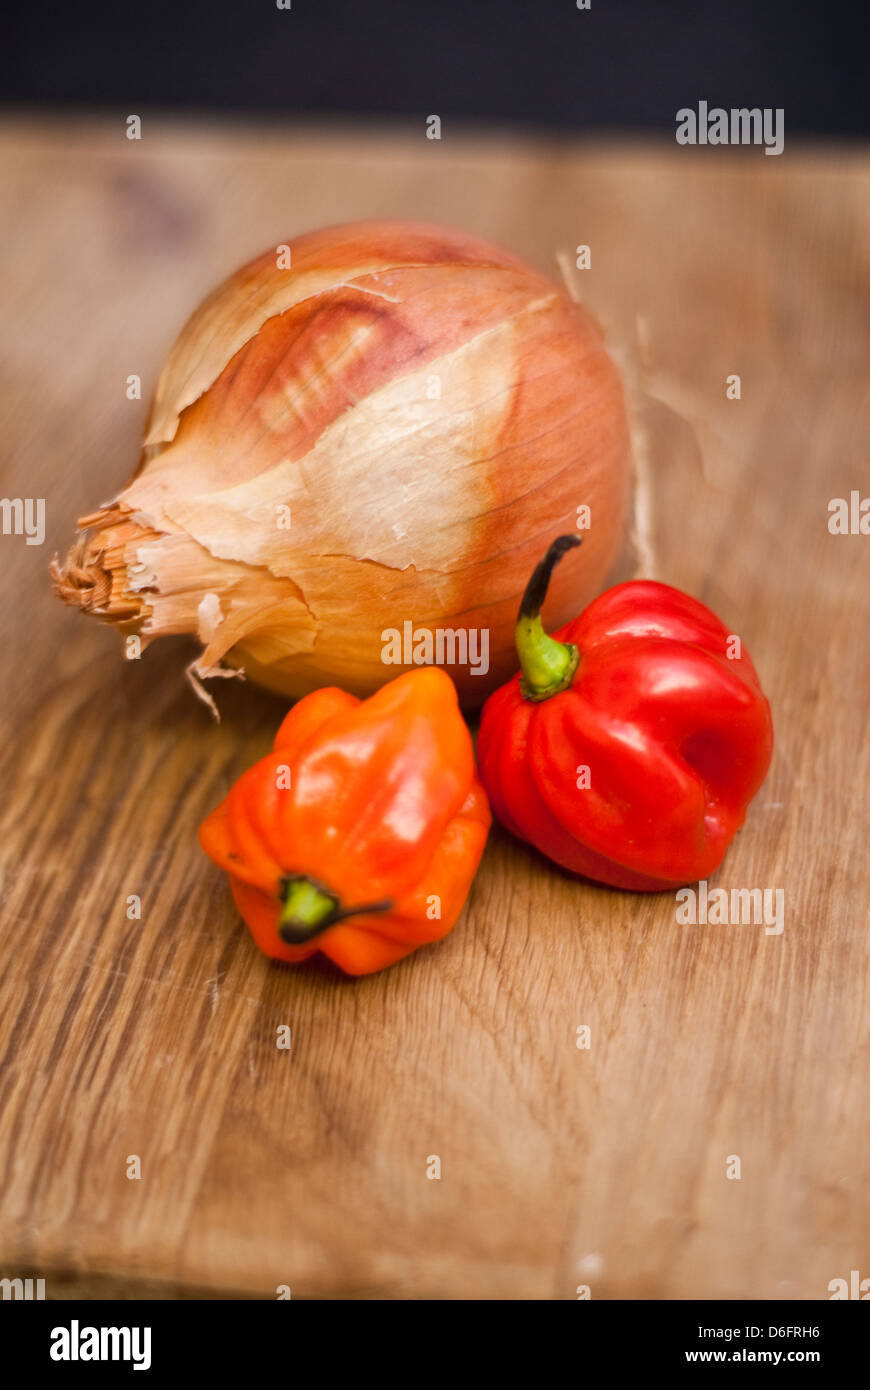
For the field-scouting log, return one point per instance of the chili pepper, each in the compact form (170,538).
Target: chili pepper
(360,833)
(631,742)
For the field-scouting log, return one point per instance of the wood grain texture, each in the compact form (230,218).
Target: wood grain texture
(560,1166)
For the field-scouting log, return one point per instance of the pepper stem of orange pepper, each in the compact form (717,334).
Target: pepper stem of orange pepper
(546,666)
(308,908)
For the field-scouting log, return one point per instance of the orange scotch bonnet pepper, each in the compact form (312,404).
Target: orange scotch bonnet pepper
(360,833)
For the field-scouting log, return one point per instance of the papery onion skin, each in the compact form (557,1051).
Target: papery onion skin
(428,408)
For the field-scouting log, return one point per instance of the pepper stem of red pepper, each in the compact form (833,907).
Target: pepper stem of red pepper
(308,907)
(546,666)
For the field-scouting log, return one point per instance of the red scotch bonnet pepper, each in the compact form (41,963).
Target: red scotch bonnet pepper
(632,741)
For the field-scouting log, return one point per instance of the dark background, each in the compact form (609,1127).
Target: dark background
(624,64)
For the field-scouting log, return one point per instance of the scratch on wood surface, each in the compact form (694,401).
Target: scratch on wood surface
(212,985)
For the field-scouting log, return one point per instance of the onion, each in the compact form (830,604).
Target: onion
(377,440)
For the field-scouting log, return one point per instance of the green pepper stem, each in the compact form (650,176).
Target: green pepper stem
(308,907)
(546,666)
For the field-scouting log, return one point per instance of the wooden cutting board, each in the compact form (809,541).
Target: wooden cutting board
(561,1166)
